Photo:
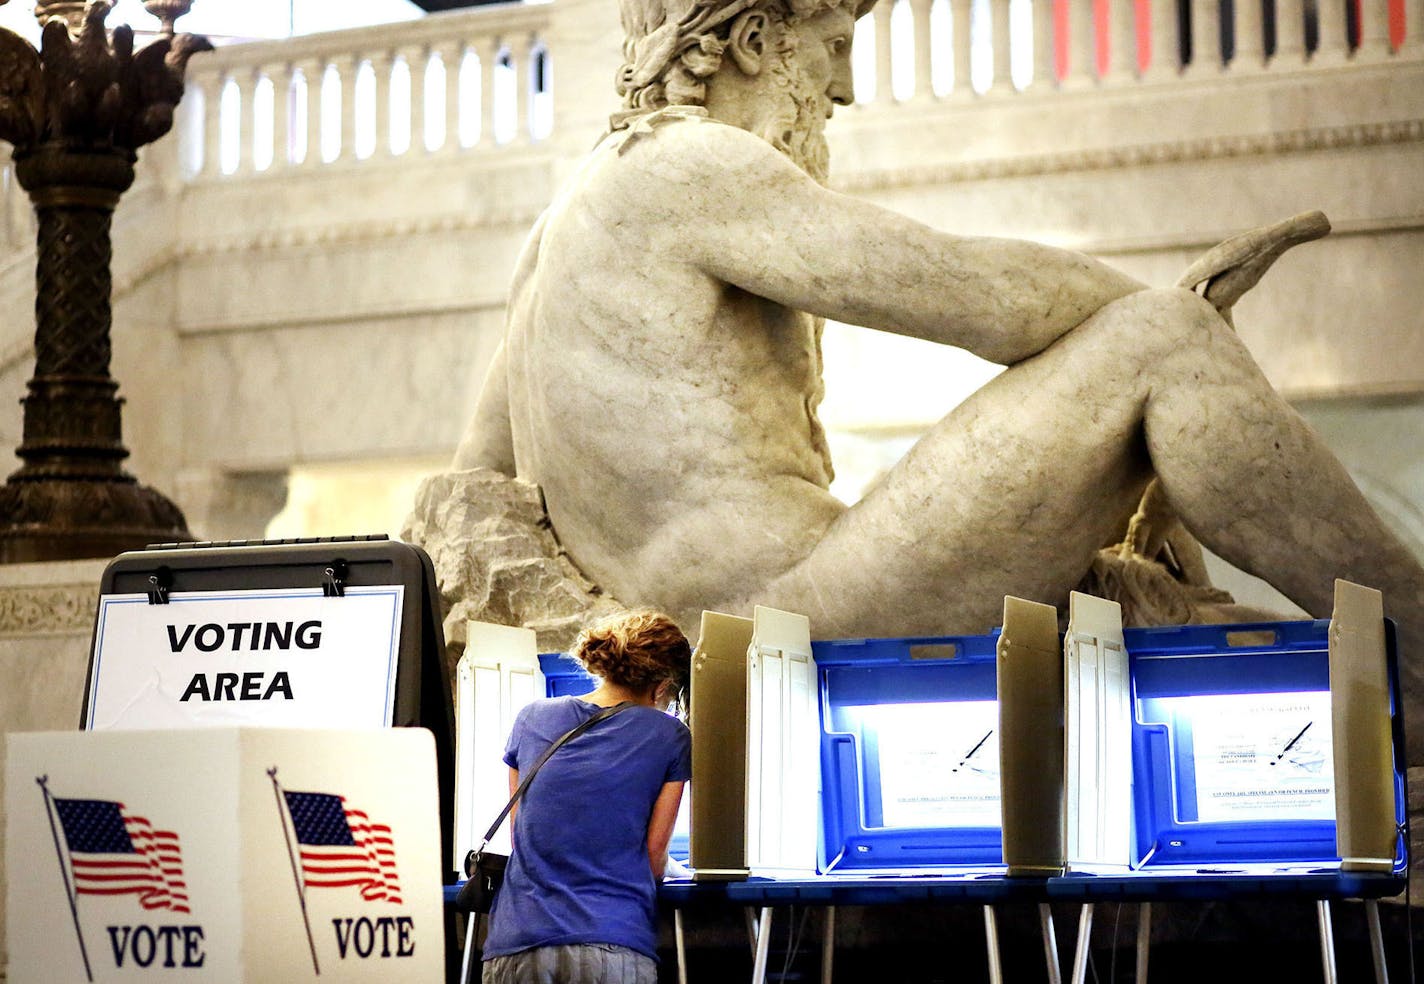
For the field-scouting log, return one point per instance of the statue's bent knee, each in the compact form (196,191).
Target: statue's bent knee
(1163,320)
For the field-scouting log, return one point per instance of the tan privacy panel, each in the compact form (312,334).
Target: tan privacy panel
(1030,675)
(1365,833)
(719,747)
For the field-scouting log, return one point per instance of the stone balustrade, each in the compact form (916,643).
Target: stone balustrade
(911,50)
(480,78)
(436,85)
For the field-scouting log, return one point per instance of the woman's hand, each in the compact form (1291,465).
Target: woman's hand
(660,826)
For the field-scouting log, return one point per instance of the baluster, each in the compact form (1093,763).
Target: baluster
(1082,45)
(1374,31)
(884,81)
(417,59)
(962,12)
(381,63)
(188,131)
(346,67)
(1206,39)
(1290,35)
(453,55)
(1122,41)
(314,72)
(1165,57)
(1044,69)
(1001,45)
(281,76)
(920,16)
(213,87)
(1334,44)
(247,120)
(1250,34)
(519,61)
(489,57)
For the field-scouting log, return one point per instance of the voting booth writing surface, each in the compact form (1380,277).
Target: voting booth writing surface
(232,855)
(320,632)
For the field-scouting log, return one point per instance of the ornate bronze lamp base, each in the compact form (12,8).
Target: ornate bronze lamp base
(75,114)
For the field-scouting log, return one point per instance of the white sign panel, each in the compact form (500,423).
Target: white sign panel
(1260,756)
(939,763)
(285,657)
(223,855)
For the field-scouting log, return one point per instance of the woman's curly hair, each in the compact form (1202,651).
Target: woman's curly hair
(637,650)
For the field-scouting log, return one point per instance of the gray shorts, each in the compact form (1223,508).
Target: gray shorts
(579,963)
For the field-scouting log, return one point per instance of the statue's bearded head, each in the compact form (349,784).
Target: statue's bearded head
(673,48)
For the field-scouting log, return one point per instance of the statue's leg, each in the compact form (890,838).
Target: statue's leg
(1015,490)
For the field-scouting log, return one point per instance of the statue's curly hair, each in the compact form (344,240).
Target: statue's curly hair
(636,649)
(672,47)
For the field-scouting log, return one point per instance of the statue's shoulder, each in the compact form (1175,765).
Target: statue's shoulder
(682,135)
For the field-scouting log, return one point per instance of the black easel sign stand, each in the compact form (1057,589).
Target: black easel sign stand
(332,632)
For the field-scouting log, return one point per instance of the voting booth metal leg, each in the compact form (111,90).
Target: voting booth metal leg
(828,944)
(681,943)
(991,941)
(1327,941)
(1050,943)
(471,926)
(1080,950)
(763,944)
(1376,941)
(1144,939)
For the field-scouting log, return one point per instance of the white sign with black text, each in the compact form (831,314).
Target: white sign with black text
(288,657)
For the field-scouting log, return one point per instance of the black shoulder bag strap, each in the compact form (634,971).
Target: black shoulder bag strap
(607,712)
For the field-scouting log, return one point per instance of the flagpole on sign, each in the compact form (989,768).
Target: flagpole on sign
(296,876)
(63,873)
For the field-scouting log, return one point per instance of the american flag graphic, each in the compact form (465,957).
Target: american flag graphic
(342,848)
(113,852)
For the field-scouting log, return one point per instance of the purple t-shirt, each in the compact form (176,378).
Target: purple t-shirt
(579,869)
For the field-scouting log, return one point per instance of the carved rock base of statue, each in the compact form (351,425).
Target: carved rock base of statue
(497,560)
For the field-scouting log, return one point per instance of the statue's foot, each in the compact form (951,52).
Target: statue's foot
(1228,270)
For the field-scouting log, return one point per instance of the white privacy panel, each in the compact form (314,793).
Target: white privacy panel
(497,675)
(1097,736)
(782,744)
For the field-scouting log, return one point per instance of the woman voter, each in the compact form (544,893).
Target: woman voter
(578,903)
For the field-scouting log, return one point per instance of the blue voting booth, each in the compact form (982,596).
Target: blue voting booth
(1235,735)
(1232,791)
(1188,683)
(890,707)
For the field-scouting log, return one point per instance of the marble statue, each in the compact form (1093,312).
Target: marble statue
(661,371)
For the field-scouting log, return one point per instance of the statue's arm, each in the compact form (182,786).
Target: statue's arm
(488,442)
(768,228)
